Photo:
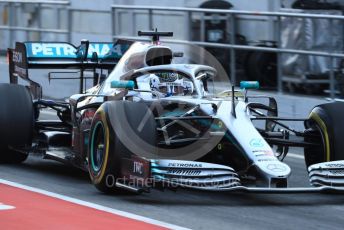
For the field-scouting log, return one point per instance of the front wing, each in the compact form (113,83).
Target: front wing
(327,177)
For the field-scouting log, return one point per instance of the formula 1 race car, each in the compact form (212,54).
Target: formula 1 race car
(152,123)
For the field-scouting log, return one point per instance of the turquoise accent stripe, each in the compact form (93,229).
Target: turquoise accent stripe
(249,85)
(123,84)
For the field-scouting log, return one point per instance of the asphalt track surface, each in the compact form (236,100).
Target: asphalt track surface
(193,209)
(196,209)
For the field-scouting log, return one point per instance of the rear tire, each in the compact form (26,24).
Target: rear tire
(16,122)
(327,126)
(106,148)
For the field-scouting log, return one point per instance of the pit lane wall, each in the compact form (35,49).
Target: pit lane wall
(72,20)
(312,34)
(48,20)
(62,25)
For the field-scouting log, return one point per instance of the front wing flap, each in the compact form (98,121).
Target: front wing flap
(194,174)
(327,177)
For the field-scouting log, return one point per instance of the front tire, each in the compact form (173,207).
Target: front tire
(106,148)
(327,127)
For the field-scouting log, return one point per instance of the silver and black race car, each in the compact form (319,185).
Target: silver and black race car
(152,123)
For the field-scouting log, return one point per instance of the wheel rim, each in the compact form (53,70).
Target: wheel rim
(97,147)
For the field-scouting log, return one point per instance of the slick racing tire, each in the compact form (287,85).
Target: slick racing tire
(112,121)
(16,123)
(326,126)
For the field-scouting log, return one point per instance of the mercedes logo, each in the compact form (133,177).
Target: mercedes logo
(276,167)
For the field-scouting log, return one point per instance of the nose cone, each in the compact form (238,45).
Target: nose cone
(274,169)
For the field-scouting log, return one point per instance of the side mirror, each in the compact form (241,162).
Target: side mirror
(249,85)
(123,84)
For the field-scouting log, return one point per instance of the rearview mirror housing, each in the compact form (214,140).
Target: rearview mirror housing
(249,85)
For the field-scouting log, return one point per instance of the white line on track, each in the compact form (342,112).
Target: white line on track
(93,205)
(5,207)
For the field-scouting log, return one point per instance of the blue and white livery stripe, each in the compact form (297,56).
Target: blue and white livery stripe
(66,50)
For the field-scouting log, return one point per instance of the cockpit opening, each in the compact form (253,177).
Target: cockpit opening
(167,83)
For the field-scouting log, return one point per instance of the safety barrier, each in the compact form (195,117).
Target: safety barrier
(63,13)
(231,17)
(13,14)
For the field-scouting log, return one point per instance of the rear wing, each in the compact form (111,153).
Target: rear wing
(62,55)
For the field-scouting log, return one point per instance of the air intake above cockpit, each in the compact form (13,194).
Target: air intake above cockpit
(158,56)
